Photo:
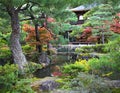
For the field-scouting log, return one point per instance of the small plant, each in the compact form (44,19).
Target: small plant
(31,68)
(5,52)
(27,48)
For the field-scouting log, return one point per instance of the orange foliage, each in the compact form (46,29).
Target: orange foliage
(115,27)
(93,39)
(87,32)
(44,34)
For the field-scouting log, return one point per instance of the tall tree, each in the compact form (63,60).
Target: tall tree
(100,21)
(15,46)
(14,7)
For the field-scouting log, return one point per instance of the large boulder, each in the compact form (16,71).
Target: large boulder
(45,84)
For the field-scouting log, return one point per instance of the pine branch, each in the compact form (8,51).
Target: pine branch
(22,7)
(26,19)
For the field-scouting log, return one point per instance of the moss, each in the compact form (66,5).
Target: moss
(116,90)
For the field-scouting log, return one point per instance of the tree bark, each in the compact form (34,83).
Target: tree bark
(103,37)
(38,47)
(16,49)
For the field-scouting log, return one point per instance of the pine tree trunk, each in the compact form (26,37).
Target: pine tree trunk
(16,49)
(103,37)
(38,47)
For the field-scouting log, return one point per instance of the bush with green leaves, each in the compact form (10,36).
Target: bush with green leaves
(108,64)
(102,66)
(31,67)
(114,48)
(99,48)
(27,48)
(10,82)
(85,83)
(73,69)
(5,55)
(5,52)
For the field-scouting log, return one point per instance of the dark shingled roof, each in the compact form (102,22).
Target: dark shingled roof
(83,7)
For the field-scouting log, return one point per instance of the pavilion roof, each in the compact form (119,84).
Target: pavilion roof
(83,7)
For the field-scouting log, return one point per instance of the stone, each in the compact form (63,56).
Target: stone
(49,85)
(44,84)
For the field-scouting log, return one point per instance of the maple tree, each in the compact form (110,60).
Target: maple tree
(115,26)
(85,34)
(44,34)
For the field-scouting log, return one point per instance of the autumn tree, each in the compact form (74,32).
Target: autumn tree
(115,26)
(44,34)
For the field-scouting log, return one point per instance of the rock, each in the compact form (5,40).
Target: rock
(64,91)
(113,83)
(43,59)
(49,85)
(45,84)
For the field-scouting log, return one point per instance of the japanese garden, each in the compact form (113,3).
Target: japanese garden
(59,46)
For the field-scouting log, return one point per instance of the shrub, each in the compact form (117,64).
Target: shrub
(5,52)
(5,55)
(10,82)
(109,63)
(100,48)
(101,66)
(84,49)
(73,68)
(27,48)
(86,83)
(31,68)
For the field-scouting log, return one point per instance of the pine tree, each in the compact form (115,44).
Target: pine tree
(100,21)
(14,7)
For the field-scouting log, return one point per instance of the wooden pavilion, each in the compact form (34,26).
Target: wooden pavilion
(80,11)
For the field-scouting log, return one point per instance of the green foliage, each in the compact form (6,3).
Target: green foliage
(85,49)
(2,43)
(73,68)
(103,13)
(86,83)
(4,38)
(71,18)
(10,81)
(15,3)
(108,64)
(31,68)
(116,90)
(99,18)
(99,48)
(101,66)
(27,48)
(114,48)
(60,40)
(4,25)
(89,13)
(59,29)
(5,52)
